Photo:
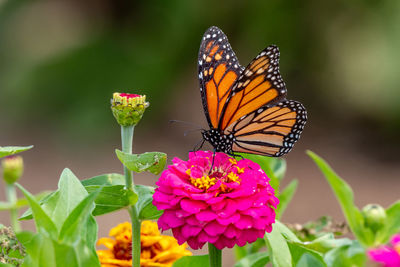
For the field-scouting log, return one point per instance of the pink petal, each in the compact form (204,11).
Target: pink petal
(170,219)
(245,222)
(206,215)
(192,206)
(232,219)
(188,230)
(213,228)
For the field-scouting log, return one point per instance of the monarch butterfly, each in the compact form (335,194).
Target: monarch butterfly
(246,108)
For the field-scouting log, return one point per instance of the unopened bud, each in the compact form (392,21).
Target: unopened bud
(13,167)
(375,216)
(128,109)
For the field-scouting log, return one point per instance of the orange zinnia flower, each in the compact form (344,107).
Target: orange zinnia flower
(156,250)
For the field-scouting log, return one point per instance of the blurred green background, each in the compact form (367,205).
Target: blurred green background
(61,60)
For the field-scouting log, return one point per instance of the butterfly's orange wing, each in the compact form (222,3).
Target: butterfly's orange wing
(219,70)
(258,85)
(270,130)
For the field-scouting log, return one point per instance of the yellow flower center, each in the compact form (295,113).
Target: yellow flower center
(129,99)
(208,180)
(232,177)
(233,161)
(239,170)
(204,182)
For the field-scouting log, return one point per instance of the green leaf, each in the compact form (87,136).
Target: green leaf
(42,220)
(347,255)
(112,198)
(392,224)
(11,150)
(74,224)
(298,250)
(48,203)
(105,179)
(145,207)
(285,197)
(5,265)
(42,251)
(308,259)
(326,243)
(344,194)
(153,162)
(278,248)
(259,259)
(287,233)
(89,233)
(71,194)
(192,261)
(240,252)
(24,237)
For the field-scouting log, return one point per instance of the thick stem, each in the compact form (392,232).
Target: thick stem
(127,137)
(12,199)
(215,256)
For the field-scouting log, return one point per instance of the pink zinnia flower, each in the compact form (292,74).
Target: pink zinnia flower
(388,255)
(231,204)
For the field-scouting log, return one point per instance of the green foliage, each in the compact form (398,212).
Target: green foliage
(352,254)
(278,248)
(67,231)
(258,259)
(144,206)
(285,197)
(344,194)
(11,150)
(192,261)
(391,226)
(153,162)
(111,196)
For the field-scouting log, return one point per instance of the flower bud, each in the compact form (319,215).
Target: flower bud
(128,109)
(13,167)
(374,215)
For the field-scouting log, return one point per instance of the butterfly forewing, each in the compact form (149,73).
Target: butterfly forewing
(270,131)
(218,69)
(258,85)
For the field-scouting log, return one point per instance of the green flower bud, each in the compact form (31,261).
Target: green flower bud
(374,215)
(128,109)
(13,167)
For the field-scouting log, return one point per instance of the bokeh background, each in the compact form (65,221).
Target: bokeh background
(61,60)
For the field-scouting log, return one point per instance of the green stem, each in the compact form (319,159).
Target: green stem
(127,137)
(215,256)
(12,199)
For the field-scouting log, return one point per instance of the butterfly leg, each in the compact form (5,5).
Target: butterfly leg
(235,155)
(212,163)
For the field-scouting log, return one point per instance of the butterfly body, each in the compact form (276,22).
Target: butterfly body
(220,141)
(246,108)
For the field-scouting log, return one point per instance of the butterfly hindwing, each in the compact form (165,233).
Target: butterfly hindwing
(258,85)
(270,130)
(218,69)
